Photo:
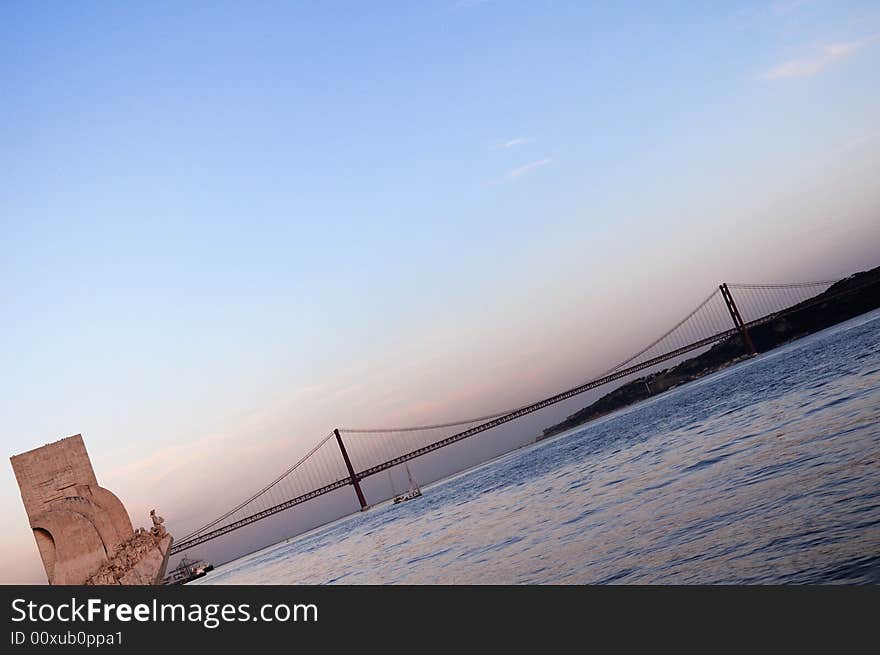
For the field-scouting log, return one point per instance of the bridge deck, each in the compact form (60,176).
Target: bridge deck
(424,450)
(740,328)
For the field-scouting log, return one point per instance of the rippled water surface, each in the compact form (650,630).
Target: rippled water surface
(768,472)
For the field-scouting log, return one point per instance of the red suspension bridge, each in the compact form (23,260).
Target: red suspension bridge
(334,463)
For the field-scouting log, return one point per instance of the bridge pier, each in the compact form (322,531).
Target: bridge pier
(354,479)
(737,319)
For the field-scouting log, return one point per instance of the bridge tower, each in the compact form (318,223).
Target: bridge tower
(354,479)
(737,319)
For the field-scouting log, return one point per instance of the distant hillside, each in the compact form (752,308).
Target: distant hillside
(857,294)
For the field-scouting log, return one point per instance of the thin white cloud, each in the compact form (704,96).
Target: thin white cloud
(817,62)
(519,141)
(522,170)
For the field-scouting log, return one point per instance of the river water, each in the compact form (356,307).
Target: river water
(767,472)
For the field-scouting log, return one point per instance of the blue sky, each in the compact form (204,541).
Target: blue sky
(227,228)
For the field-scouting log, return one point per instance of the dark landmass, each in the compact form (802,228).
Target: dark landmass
(853,296)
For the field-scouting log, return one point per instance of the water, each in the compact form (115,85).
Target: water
(763,473)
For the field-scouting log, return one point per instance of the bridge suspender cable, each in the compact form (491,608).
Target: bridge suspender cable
(261,491)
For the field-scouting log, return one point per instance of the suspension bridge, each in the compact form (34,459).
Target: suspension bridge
(727,315)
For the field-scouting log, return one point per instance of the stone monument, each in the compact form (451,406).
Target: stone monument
(83,532)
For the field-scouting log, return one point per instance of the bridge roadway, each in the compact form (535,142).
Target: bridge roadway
(482,427)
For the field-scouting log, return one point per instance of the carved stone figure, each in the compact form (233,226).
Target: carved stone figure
(158,529)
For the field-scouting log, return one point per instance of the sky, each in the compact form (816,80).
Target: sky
(227,228)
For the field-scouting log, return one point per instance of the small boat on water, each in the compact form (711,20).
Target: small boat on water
(409,495)
(414,491)
(187,570)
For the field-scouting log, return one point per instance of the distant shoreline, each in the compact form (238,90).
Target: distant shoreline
(860,294)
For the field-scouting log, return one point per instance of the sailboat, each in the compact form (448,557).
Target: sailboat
(414,491)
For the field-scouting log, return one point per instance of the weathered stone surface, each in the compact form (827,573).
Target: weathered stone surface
(140,560)
(83,532)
